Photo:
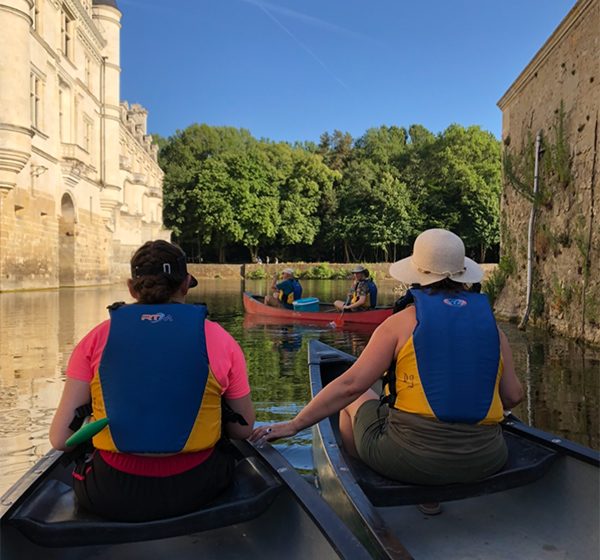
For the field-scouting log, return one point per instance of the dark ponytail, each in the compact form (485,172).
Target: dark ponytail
(154,271)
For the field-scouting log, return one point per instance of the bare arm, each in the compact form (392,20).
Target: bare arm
(75,394)
(358,303)
(367,369)
(511,391)
(244,407)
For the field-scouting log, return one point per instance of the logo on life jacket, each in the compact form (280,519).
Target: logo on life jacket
(455,302)
(156,317)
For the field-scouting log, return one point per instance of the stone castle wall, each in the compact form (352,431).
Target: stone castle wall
(42,250)
(557,94)
(28,241)
(80,185)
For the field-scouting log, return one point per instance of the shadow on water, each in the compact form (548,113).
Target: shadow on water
(38,331)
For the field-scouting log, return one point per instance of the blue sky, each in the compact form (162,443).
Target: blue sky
(292,69)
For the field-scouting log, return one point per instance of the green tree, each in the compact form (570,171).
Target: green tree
(257,207)
(419,135)
(336,149)
(213,217)
(300,196)
(374,210)
(455,182)
(383,145)
(225,190)
(182,158)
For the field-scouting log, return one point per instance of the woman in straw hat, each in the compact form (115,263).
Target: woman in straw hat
(448,375)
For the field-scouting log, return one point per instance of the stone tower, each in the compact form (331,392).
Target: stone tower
(108,17)
(15,124)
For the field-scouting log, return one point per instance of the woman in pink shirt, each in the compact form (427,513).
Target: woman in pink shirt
(158,372)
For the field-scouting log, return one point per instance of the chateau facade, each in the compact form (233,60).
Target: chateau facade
(80,186)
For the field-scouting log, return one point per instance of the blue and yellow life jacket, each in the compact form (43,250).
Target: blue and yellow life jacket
(371,299)
(450,367)
(154,382)
(296,293)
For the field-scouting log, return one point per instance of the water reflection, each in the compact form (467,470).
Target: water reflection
(37,333)
(562,384)
(38,330)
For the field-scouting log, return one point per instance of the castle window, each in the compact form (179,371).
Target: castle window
(61,115)
(35,98)
(66,32)
(88,72)
(64,113)
(88,134)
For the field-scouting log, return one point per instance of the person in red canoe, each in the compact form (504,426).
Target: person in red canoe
(363,292)
(285,291)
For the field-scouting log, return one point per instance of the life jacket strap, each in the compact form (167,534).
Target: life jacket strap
(230,416)
(115,305)
(403,302)
(81,413)
(388,380)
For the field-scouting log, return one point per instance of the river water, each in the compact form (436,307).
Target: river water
(38,330)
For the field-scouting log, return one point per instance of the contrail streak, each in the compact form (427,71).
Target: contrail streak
(301,44)
(309,20)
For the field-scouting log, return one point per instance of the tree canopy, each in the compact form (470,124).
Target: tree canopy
(230,196)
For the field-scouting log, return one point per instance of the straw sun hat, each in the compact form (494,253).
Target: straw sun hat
(437,254)
(358,268)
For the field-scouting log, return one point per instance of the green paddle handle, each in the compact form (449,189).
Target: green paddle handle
(87,431)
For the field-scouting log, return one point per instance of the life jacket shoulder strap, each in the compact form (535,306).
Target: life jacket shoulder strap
(230,416)
(389,381)
(115,305)
(81,413)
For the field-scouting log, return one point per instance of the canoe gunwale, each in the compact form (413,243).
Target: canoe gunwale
(333,529)
(350,497)
(25,485)
(565,447)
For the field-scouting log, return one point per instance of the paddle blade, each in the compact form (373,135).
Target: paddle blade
(87,431)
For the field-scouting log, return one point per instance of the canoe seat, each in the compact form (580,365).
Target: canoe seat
(527,461)
(52,518)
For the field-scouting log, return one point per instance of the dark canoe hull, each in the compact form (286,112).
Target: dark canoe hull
(326,314)
(547,509)
(277,514)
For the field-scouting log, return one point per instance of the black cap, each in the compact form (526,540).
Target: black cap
(176,269)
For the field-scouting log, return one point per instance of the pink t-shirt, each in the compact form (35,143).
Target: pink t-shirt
(227,363)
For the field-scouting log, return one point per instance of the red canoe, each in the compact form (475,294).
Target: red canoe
(327,313)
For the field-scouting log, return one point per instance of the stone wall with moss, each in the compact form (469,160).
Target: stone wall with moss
(557,95)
